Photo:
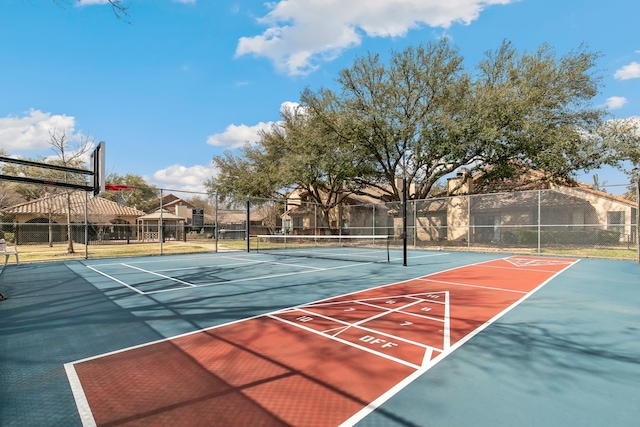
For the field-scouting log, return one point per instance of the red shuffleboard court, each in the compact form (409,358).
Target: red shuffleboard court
(327,363)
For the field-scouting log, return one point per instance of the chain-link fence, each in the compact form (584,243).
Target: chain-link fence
(576,221)
(567,221)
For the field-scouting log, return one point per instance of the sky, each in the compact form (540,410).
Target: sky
(180,81)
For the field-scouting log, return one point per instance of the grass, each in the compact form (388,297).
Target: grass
(611,253)
(58,252)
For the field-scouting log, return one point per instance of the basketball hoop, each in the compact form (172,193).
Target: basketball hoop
(122,192)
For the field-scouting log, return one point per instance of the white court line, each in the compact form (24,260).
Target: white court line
(418,296)
(427,356)
(401,310)
(385,312)
(217,257)
(182,260)
(356,324)
(373,405)
(193,285)
(521,268)
(408,380)
(493,288)
(348,343)
(84,410)
(252,279)
(116,280)
(535,261)
(446,339)
(163,260)
(239,264)
(200,267)
(414,296)
(153,273)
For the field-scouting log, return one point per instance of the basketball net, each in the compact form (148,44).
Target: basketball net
(122,192)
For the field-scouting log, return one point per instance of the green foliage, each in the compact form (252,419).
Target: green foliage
(404,115)
(423,116)
(299,152)
(538,113)
(253,172)
(10,237)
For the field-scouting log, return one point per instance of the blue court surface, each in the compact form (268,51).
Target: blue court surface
(566,355)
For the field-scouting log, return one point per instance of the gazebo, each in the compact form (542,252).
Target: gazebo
(161,225)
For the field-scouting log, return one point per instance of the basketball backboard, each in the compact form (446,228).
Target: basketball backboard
(98,168)
(95,178)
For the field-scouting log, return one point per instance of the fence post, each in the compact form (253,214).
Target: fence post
(86,225)
(468,221)
(215,219)
(415,224)
(638,218)
(160,223)
(373,220)
(539,220)
(248,224)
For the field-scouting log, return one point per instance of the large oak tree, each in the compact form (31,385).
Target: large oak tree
(423,116)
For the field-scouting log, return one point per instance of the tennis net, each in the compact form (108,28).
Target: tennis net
(347,248)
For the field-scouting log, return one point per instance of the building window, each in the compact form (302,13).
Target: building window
(615,221)
(297,223)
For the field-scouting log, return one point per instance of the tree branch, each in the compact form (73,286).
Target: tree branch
(119,9)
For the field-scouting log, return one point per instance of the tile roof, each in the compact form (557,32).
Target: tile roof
(584,188)
(57,203)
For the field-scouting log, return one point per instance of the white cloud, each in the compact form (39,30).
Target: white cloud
(289,106)
(631,71)
(31,132)
(178,177)
(615,102)
(235,136)
(302,33)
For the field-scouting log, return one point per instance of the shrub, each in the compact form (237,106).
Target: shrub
(563,237)
(9,237)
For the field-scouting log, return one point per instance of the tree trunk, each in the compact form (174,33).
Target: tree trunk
(50,229)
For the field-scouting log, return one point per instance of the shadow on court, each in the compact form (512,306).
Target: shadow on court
(569,355)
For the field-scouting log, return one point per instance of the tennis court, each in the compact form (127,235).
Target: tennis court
(267,339)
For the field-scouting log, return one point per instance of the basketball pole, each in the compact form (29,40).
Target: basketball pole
(404,206)
(86,225)
(404,220)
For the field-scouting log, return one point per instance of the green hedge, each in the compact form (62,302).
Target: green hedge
(587,237)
